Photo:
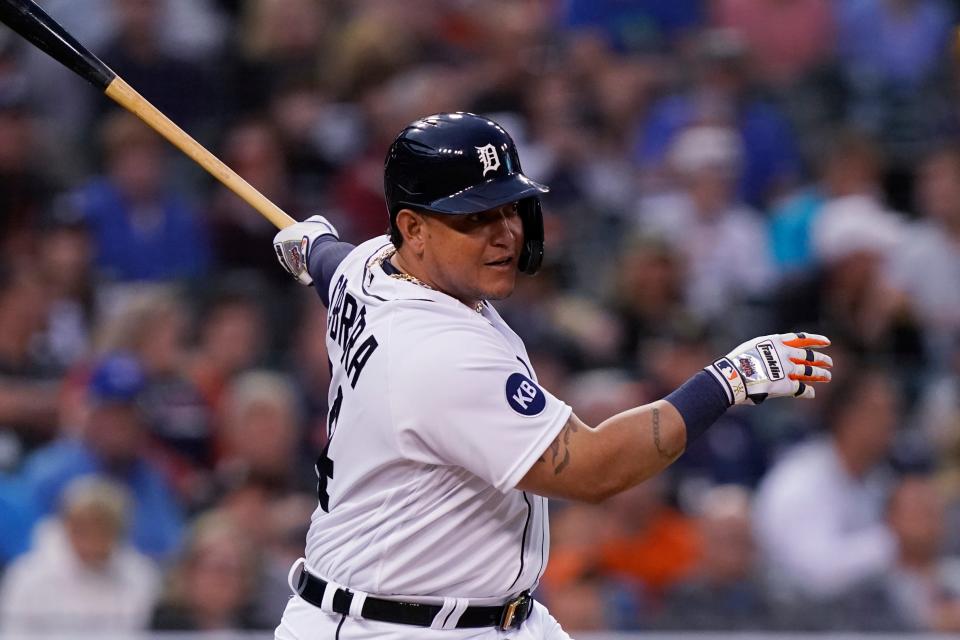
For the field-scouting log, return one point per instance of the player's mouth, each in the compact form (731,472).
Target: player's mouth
(501,263)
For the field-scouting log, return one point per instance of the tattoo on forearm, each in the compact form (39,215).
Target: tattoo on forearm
(661,449)
(560,449)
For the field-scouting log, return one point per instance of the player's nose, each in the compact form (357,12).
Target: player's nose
(508,228)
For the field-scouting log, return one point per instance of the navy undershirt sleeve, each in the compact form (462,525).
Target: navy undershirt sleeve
(701,401)
(326,254)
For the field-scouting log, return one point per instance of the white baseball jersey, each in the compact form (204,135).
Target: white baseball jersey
(435,415)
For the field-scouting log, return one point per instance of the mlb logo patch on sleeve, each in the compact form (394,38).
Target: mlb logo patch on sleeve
(524,396)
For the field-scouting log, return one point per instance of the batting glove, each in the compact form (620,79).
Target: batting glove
(773,366)
(293,243)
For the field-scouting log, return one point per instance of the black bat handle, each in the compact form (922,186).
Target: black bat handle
(31,22)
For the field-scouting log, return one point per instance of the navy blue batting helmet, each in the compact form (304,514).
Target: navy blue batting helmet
(461,163)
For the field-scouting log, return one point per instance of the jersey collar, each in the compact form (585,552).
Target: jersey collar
(383,280)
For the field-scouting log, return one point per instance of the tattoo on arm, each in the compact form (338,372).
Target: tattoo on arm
(559,449)
(664,453)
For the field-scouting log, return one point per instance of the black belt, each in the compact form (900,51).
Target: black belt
(507,616)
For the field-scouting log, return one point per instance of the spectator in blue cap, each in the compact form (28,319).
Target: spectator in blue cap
(117,379)
(110,443)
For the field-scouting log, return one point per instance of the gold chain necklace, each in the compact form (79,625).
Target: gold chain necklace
(403,275)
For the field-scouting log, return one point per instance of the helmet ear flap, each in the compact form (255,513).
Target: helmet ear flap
(531,215)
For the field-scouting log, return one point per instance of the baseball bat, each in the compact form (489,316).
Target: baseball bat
(31,22)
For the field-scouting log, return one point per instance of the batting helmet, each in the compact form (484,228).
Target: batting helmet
(461,163)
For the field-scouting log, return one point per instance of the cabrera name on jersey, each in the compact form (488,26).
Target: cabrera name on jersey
(435,416)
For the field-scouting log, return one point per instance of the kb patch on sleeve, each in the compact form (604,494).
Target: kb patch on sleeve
(524,396)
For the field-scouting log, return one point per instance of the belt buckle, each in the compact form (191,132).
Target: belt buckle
(515,611)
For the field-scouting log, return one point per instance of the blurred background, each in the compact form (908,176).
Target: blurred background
(719,169)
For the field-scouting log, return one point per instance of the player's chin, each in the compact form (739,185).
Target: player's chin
(500,284)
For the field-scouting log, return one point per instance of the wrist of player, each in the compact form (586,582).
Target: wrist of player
(778,365)
(292,245)
(775,365)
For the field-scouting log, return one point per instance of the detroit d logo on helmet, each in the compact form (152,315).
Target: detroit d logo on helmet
(489,158)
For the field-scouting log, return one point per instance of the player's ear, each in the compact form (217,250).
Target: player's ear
(411,226)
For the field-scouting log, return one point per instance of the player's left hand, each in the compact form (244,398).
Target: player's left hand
(292,245)
(783,364)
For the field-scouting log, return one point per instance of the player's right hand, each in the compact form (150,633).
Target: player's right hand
(783,364)
(292,245)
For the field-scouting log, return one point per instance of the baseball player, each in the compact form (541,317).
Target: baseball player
(432,515)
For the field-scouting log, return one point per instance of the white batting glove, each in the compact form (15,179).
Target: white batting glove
(773,366)
(292,245)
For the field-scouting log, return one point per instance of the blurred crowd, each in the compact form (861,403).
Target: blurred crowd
(719,169)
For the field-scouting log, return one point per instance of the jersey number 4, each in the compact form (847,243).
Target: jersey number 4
(324,464)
